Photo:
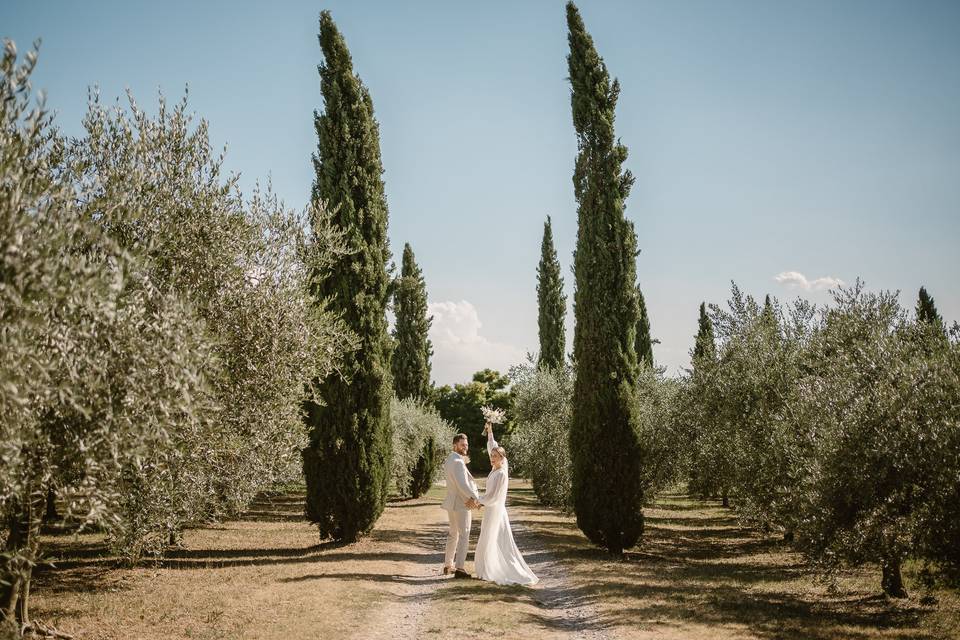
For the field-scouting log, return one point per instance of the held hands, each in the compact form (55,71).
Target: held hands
(473,504)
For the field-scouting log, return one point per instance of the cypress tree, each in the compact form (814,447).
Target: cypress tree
(551,302)
(412,348)
(767,316)
(347,460)
(411,356)
(704,346)
(703,477)
(643,345)
(605,449)
(927,310)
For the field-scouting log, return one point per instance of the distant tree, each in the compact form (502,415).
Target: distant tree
(644,345)
(411,360)
(412,348)
(540,442)
(768,315)
(927,311)
(347,461)
(551,301)
(460,405)
(608,493)
(704,348)
(707,464)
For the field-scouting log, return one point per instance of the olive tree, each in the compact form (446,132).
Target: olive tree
(242,268)
(883,428)
(415,425)
(96,362)
(540,442)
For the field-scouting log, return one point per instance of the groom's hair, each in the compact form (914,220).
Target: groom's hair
(460,436)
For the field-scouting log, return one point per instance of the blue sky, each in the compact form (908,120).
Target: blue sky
(766,137)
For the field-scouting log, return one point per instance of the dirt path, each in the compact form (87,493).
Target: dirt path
(422,602)
(571,614)
(412,590)
(554,608)
(697,576)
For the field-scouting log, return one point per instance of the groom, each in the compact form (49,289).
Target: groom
(461,498)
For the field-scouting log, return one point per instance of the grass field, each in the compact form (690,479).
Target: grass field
(696,575)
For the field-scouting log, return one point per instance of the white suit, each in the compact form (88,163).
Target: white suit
(460,488)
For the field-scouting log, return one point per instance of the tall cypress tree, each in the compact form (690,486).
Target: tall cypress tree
(412,348)
(605,449)
(347,460)
(551,302)
(411,356)
(643,345)
(927,310)
(704,346)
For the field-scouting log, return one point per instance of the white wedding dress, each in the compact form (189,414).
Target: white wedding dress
(497,558)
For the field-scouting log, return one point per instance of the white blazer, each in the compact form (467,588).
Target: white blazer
(460,484)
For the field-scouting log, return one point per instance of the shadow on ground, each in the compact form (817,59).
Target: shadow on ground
(697,567)
(71,565)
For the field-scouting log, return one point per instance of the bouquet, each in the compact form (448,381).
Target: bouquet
(493,416)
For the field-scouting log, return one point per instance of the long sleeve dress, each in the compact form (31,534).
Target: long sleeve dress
(497,558)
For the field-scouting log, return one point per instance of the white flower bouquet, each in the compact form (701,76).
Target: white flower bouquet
(493,416)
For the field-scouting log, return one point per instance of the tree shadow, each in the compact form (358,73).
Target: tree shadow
(79,565)
(368,577)
(696,564)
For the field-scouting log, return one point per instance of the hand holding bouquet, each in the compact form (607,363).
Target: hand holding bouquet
(492,417)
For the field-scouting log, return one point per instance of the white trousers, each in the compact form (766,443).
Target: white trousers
(458,538)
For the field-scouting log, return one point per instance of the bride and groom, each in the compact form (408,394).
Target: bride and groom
(496,556)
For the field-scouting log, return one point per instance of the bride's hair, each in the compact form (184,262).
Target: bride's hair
(502,452)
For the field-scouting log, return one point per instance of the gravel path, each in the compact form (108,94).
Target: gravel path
(415,587)
(571,614)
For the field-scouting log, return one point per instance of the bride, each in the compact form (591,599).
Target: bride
(497,558)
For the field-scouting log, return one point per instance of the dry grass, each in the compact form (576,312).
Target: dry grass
(264,576)
(696,575)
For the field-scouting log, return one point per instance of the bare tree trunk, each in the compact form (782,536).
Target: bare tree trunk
(892,580)
(725,499)
(20,556)
(51,513)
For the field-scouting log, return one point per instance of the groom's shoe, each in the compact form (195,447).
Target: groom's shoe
(460,573)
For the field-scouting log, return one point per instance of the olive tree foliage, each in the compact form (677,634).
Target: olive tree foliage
(655,397)
(839,426)
(540,442)
(96,362)
(879,406)
(733,404)
(415,425)
(242,269)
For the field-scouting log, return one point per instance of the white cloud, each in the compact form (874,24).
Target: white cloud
(458,348)
(796,280)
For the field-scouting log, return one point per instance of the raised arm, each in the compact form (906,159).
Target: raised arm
(491,441)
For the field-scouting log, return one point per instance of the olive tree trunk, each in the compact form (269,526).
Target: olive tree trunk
(892,580)
(20,554)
